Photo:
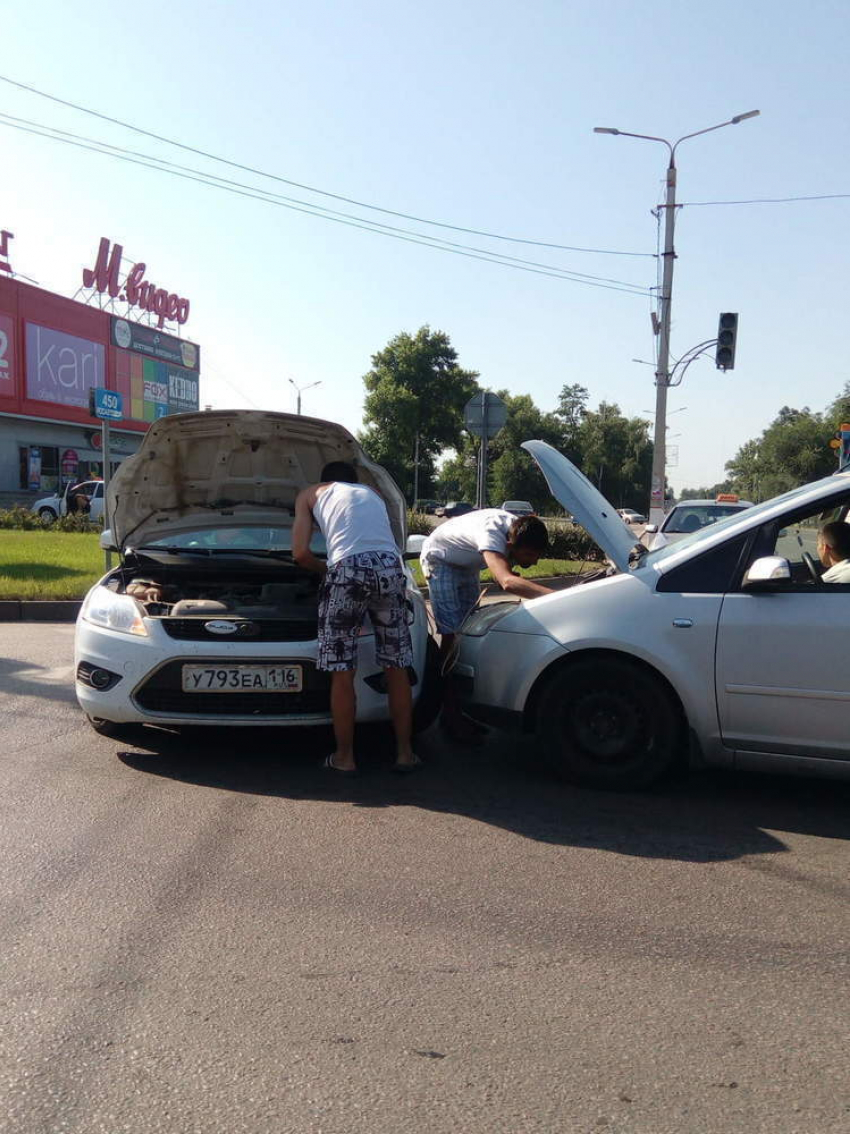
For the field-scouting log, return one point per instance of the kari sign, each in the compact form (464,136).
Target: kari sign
(135,289)
(62,368)
(7,354)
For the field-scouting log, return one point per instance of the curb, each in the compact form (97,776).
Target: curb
(24,611)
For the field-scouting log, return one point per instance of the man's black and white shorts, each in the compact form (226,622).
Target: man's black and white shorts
(372,583)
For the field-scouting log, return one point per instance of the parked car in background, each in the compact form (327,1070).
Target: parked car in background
(518,507)
(208,620)
(632,517)
(426,506)
(725,649)
(50,508)
(691,516)
(454,508)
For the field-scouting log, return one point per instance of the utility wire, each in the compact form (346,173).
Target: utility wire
(103,147)
(254,193)
(768,200)
(311,188)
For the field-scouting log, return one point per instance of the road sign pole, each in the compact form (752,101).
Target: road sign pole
(104,436)
(482,455)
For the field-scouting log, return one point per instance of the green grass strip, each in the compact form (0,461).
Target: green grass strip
(48,565)
(63,565)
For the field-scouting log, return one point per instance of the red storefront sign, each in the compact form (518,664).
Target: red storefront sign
(69,460)
(138,292)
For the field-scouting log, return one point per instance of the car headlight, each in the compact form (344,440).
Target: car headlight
(103,607)
(481,621)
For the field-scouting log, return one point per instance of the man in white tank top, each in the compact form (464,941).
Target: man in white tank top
(363,574)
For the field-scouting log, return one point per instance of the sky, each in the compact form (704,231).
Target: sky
(478,115)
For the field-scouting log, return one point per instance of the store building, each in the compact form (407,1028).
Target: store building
(54,350)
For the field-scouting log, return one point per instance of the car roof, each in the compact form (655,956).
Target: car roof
(720,503)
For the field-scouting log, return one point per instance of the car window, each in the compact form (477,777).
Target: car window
(712,573)
(690,518)
(233,537)
(795,537)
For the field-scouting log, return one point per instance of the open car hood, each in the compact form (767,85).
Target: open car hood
(573,491)
(197,470)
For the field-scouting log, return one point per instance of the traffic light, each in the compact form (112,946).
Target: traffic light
(727,334)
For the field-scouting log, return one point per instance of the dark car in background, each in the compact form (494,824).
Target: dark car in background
(454,508)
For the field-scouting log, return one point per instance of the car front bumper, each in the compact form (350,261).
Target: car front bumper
(146,685)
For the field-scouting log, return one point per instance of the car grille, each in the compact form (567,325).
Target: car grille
(259,630)
(162,693)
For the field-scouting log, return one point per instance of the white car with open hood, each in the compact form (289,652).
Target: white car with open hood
(208,620)
(726,647)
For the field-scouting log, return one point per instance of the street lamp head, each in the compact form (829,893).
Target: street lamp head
(740,117)
(292,383)
(609,129)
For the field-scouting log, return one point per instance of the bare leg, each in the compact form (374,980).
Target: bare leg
(401,711)
(343,707)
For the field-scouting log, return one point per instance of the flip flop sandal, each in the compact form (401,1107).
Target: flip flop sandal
(406,769)
(329,766)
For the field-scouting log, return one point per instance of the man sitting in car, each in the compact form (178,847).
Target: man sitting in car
(834,552)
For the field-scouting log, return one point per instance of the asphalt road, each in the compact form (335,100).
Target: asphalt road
(211,936)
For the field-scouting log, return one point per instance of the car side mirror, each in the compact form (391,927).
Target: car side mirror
(413,547)
(651,528)
(107,543)
(765,573)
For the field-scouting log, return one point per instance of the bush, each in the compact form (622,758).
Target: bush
(418,523)
(569,541)
(19,518)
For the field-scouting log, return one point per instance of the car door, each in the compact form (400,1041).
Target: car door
(96,499)
(782,678)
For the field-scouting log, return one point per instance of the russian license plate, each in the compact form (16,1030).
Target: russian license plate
(242,678)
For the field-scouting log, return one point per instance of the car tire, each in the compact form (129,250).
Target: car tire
(47,516)
(115,731)
(427,708)
(608,723)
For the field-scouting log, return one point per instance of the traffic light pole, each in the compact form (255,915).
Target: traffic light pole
(662,373)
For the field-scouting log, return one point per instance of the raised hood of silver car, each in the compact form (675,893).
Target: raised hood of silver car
(588,506)
(243,466)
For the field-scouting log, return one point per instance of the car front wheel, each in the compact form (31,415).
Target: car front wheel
(47,516)
(607,723)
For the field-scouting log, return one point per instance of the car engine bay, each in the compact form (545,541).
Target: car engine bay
(167,593)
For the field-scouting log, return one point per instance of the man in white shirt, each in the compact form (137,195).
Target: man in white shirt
(453,556)
(363,574)
(834,552)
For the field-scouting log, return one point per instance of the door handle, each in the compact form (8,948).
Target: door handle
(683,623)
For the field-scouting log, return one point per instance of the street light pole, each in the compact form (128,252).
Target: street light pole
(299,389)
(662,371)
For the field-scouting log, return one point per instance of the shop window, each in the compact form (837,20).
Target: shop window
(24,467)
(49,468)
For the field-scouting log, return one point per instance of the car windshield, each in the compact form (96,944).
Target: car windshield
(753,512)
(691,517)
(236,538)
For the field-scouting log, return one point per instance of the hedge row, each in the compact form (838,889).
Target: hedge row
(22,519)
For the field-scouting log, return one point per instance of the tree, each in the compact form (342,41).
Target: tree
(415,389)
(793,450)
(615,453)
(706,493)
(514,475)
